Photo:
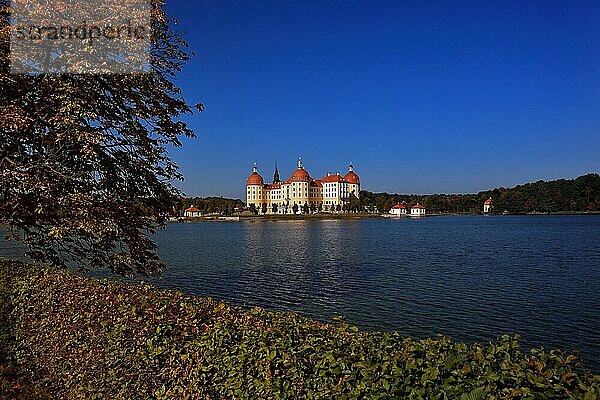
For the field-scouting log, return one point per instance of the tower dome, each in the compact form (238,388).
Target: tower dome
(351,176)
(255,178)
(300,174)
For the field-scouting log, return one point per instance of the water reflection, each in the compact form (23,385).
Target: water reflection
(300,265)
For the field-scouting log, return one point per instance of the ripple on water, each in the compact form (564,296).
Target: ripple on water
(469,277)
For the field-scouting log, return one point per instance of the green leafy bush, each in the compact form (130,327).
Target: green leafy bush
(82,338)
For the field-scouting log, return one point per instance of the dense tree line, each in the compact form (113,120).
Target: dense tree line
(209,205)
(562,195)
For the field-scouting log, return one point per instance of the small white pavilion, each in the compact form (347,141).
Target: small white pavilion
(399,209)
(192,212)
(488,206)
(417,210)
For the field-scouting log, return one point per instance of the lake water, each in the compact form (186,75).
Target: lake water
(470,277)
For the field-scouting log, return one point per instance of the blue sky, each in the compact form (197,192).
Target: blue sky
(423,97)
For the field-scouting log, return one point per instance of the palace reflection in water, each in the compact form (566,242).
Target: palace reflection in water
(305,264)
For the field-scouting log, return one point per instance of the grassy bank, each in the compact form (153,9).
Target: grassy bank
(74,337)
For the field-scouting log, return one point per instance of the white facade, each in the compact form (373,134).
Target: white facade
(335,190)
(417,211)
(488,206)
(192,212)
(398,210)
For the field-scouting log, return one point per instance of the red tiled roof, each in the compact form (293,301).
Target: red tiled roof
(399,205)
(255,179)
(333,178)
(417,206)
(351,177)
(192,209)
(489,202)
(300,175)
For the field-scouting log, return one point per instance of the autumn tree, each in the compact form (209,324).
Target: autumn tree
(85,174)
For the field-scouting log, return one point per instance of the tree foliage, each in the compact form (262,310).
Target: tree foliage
(563,195)
(85,176)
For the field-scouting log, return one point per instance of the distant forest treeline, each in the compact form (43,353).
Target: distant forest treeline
(566,195)
(209,205)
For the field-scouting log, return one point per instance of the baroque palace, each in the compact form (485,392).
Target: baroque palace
(301,193)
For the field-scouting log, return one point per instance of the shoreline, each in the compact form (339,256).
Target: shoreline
(356,216)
